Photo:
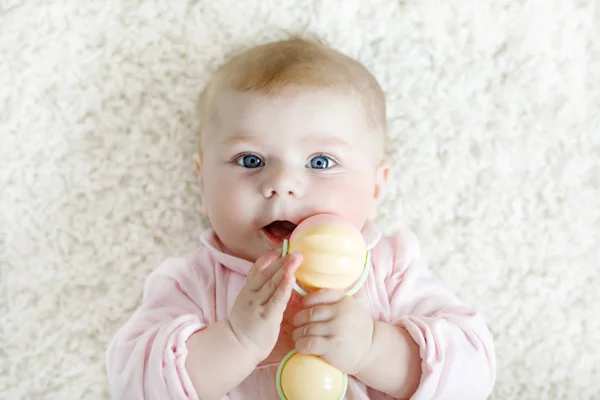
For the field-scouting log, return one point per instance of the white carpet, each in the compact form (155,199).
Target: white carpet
(495,120)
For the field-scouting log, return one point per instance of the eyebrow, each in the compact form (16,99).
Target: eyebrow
(330,142)
(321,141)
(241,139)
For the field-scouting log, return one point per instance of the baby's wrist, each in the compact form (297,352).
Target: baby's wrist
(393,365)
(367,360)
(247,350)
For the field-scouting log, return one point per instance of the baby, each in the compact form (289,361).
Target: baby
(288,130)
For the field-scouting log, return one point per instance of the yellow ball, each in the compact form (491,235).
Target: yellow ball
(334,254)
(308,377)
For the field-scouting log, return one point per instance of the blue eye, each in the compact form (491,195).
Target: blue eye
(250,161)
(321,162)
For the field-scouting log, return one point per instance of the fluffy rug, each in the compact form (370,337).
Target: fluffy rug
(494,112)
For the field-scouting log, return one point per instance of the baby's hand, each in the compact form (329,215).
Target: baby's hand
(335,327)
(257,313)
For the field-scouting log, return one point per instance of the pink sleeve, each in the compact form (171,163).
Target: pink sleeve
(146,358)
(456,347)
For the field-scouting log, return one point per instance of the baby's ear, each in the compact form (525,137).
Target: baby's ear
(381,178)
(382,173)
(198,167)
(197,163)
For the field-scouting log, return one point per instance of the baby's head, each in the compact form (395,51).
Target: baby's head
(288,130)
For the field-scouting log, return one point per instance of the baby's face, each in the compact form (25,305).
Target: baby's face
(269,162)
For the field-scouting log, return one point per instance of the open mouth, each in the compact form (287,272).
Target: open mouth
(277,231)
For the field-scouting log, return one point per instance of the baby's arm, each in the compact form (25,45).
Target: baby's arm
(147,359)
(229,362)
(235,346)
(455,358)
(393,365)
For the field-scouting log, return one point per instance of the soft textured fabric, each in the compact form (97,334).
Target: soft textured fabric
(185,294)
(494,121)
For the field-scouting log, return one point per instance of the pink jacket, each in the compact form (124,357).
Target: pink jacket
(146,359)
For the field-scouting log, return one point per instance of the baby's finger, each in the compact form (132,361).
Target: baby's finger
(324,296)
(318,329)
(278,300)
(262,270)
(320,313)
(317,345)
(266,291)
(274,274)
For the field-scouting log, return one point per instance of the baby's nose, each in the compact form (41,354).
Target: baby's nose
(283,182)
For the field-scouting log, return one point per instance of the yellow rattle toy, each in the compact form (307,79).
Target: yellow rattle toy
(335,256)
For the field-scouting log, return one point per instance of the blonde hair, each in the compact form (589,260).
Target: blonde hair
(295,62)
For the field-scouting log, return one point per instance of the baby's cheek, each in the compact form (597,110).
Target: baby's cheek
(347,197)
(229,205)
